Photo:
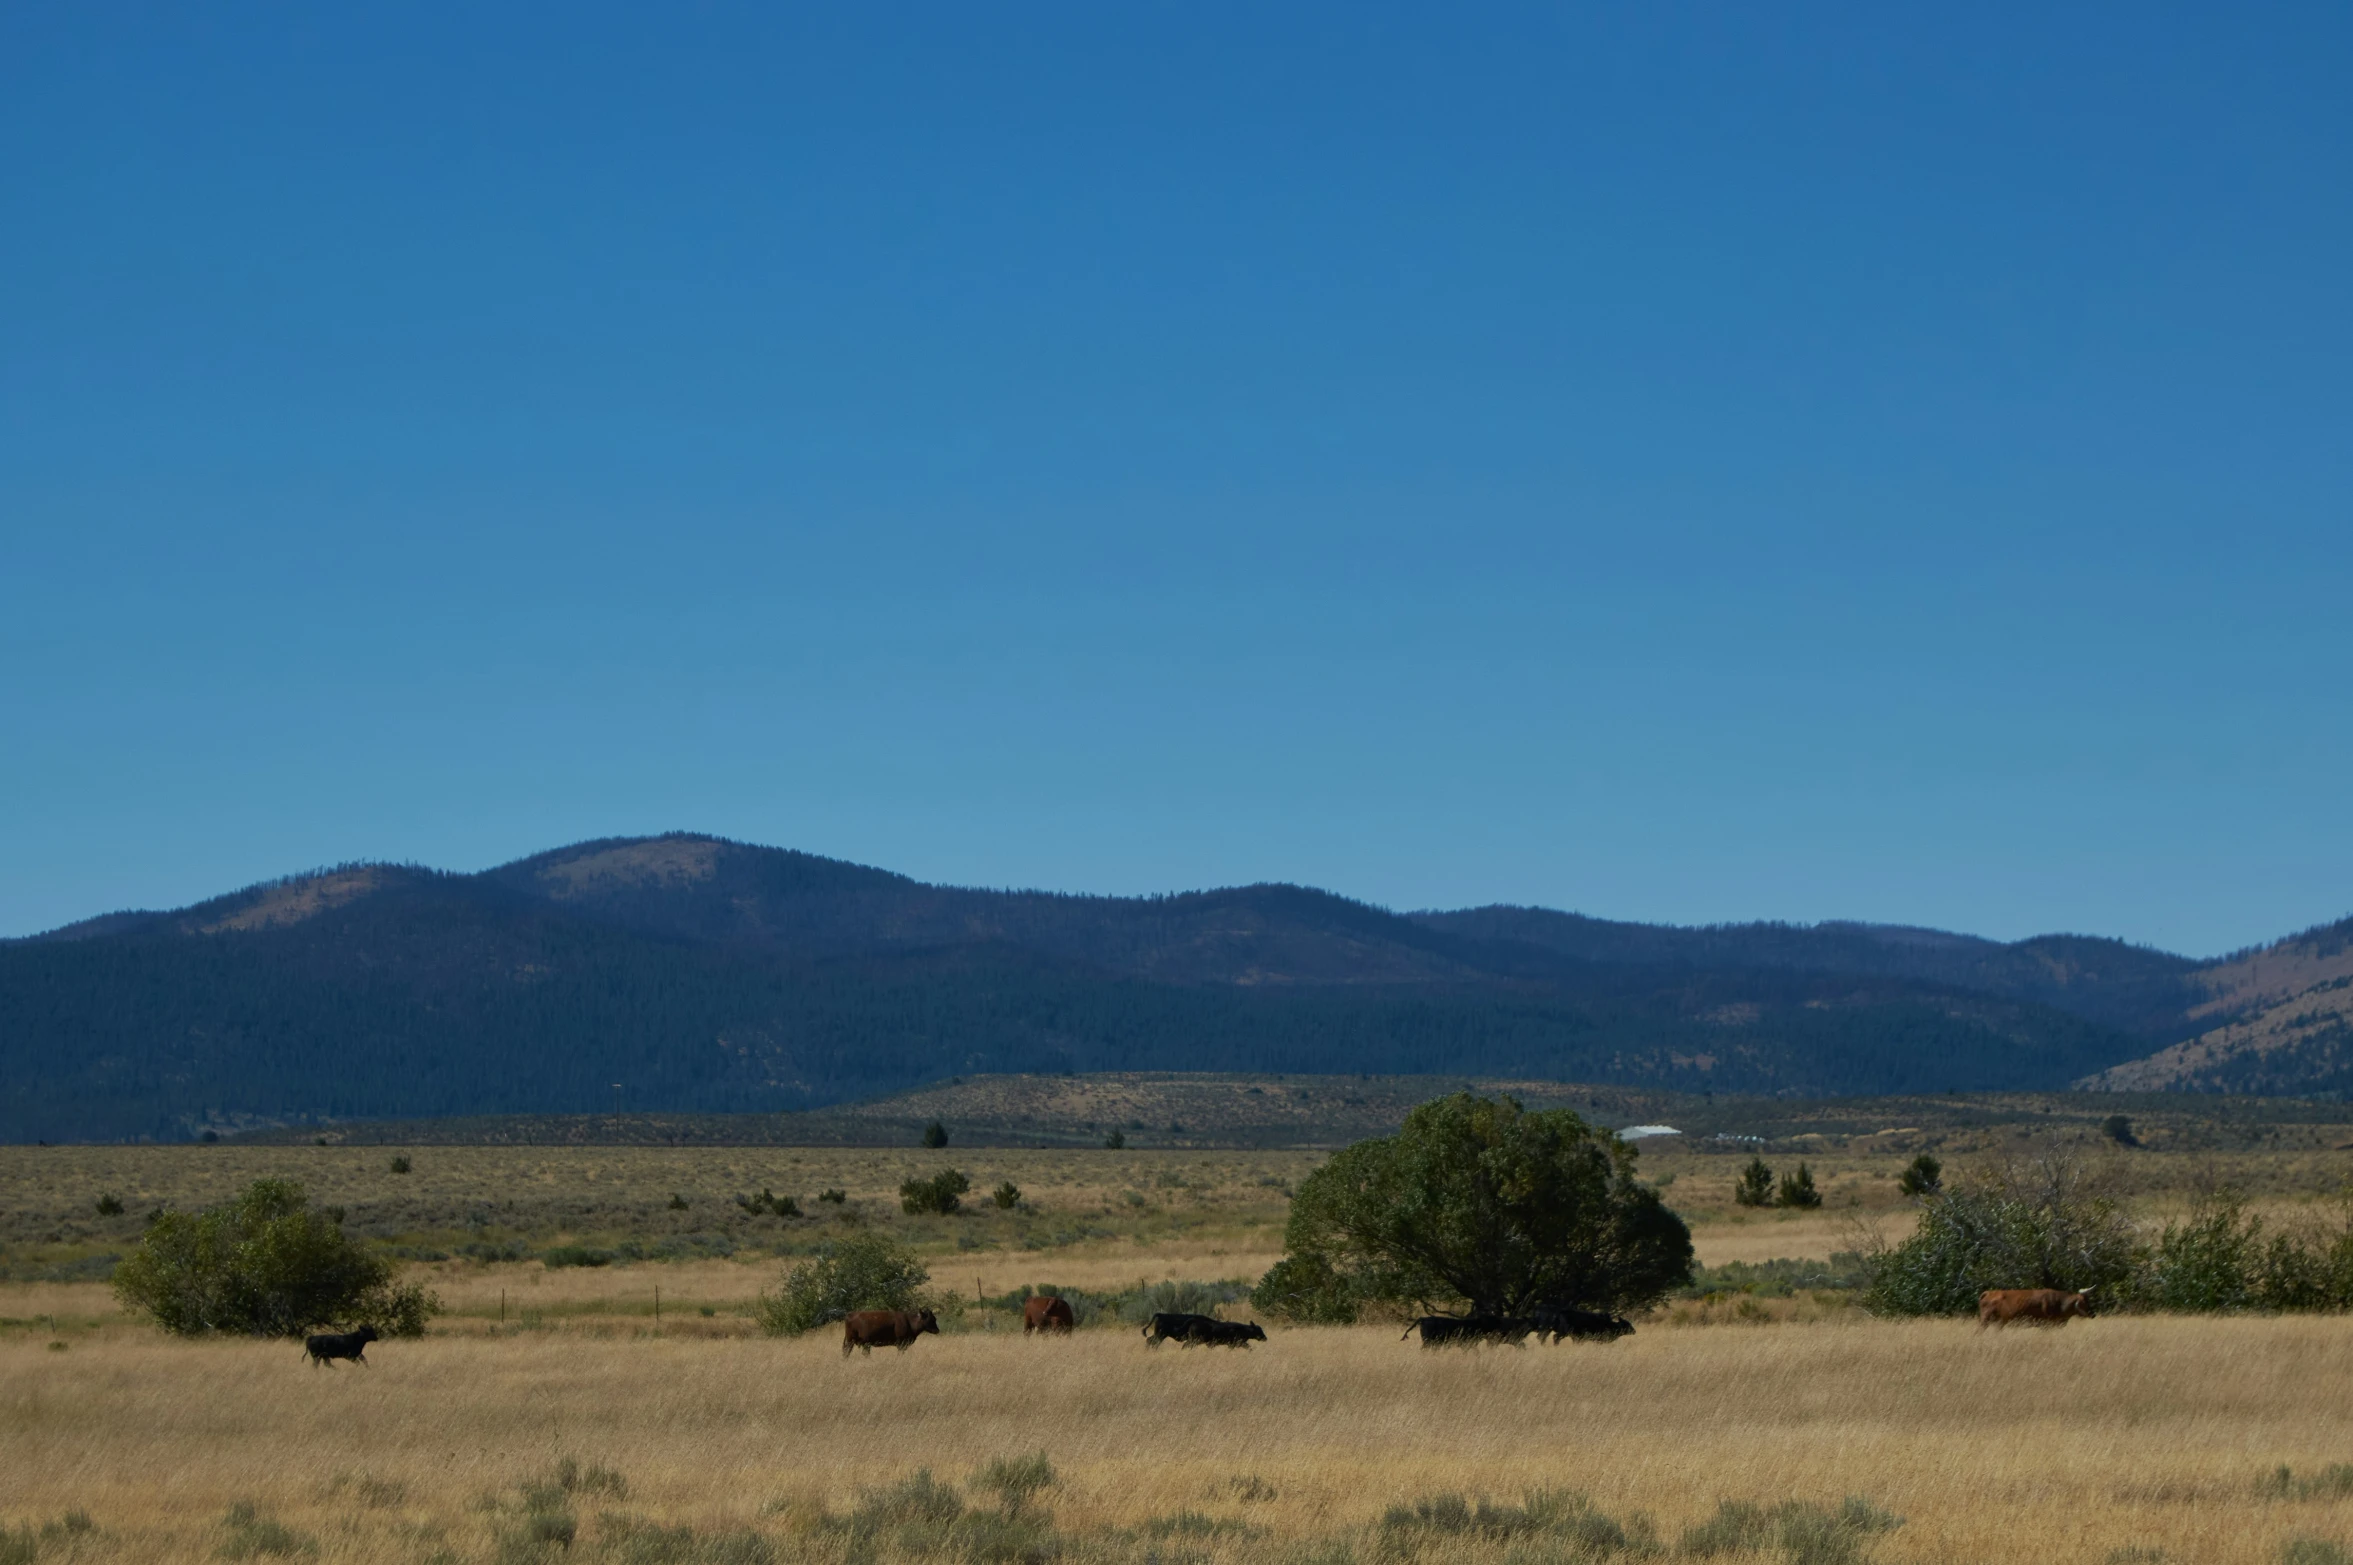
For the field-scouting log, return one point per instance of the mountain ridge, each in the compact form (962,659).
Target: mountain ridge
(710,975)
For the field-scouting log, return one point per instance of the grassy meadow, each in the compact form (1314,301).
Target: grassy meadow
(690,1437)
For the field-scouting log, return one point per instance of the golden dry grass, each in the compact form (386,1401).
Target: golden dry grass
(2066,1445)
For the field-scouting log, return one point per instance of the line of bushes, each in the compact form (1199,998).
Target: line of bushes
(2045,1224)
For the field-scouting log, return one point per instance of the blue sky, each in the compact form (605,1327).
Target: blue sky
(1683,463)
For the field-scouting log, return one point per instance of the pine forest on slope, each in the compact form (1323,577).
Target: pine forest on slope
(704,975)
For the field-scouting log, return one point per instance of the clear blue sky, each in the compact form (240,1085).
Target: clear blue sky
(1675,462)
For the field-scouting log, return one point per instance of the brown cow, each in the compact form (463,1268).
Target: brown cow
(2035,1306)
(870,1329)
(1044,1312)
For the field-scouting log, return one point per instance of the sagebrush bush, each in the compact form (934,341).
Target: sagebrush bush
(1803,1533)
(265,1264)
(940,1193)
(1013,1479)
(862,1272)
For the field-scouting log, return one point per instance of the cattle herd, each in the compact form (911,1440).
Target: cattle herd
(866,1330)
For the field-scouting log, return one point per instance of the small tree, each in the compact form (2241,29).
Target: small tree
(265,1264)
(1921,1178)
(2118,1128)
(1116,1141)
(1007,1196)
(940,1193)
(1797,1190)
(935,1134)
(862,1272)
(1477,1201)
(1755,1185)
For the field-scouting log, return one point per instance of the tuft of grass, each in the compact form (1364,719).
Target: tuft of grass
(2333,1482)
(1013,1479)
(1557,1517)
(2313,1551)
(572,1478)
(248,1534)
(1802,1532)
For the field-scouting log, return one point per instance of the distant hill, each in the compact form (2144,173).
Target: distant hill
(2285,1018)
(707,976)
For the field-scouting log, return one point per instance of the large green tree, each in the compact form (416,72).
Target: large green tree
(1479,1203)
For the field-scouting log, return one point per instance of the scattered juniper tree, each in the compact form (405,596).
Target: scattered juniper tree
(1479,1204)
(1921,1178)
(1755,1185)
(935,1134)
(1797,1190)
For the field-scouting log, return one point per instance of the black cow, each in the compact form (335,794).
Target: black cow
(327,1346)
(1580,1326)
(1172,1323)
(1447,1331)
(1226,1333)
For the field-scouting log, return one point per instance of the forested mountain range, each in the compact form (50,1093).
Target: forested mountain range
(701,974)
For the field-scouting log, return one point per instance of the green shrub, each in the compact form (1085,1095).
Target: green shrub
(1116,1141)
(1797,1190)
(2037,1225)
(769,1201)
(940,1193)
(2207,1263)
(935,1135)
(1754,1187)
(1007,1196)
(110,1206)
(2118,1128)
(401,1164)
(265,1264)
(833,1197)
(861,1272)
(677,1202)
(559,1256)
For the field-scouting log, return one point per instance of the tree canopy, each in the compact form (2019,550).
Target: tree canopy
(266,1264)
(1478,1202)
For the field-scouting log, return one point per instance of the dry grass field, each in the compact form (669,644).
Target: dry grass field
(2070,1447)
(2122,1440)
